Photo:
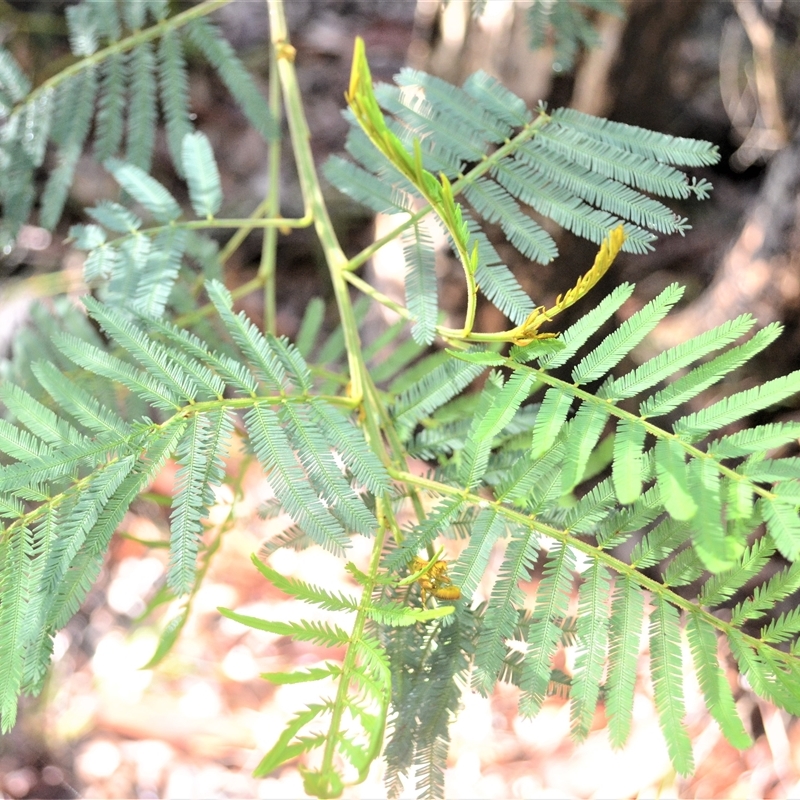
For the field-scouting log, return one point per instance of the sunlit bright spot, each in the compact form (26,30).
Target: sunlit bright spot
(134,579)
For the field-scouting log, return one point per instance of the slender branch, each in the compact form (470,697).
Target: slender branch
(272,204)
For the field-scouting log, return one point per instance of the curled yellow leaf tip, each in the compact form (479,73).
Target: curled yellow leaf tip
(609,250)
(359,71)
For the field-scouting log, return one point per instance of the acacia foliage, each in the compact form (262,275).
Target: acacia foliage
(561,460)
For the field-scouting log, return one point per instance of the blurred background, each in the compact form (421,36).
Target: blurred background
(723,70)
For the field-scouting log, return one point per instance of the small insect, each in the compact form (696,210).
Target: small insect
(435,582)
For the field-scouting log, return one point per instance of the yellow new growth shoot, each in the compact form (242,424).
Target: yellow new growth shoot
(437,191)
(529,330)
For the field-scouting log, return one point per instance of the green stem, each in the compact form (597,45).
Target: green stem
(255,220)
(377,296)
(449,334)
(350,662)
(361,389)
(312,192)
(270,243)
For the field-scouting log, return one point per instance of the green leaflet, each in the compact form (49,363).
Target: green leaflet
(173,84)
(783,525)
(735,407)
(625,629)
(659,543)
(70,127)
(145,189)
(500,617)
(721,586)
(39,419)
(767,594)
(552,598)
(12,78)
(754,440)
(489,423)
(317,632)
(670,361)
(420,283)
(169,635)
(202,33)
(627,463)
(591,510)
(717,550)
(471,565)
(302,676)
(616,346)
(306,591)
(110,215)
(495,279)
(202,175)
(584,432)
(142,117)
(15,583)
(549,421)
(700,378)
(673,482)
(716,691)
(593,613)
(201,455)
(495,204)
(110,112)
(666,666)
(366,188)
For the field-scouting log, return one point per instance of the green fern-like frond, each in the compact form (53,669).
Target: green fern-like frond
(68,486)
(585,174)
(104,84)
(349,733)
